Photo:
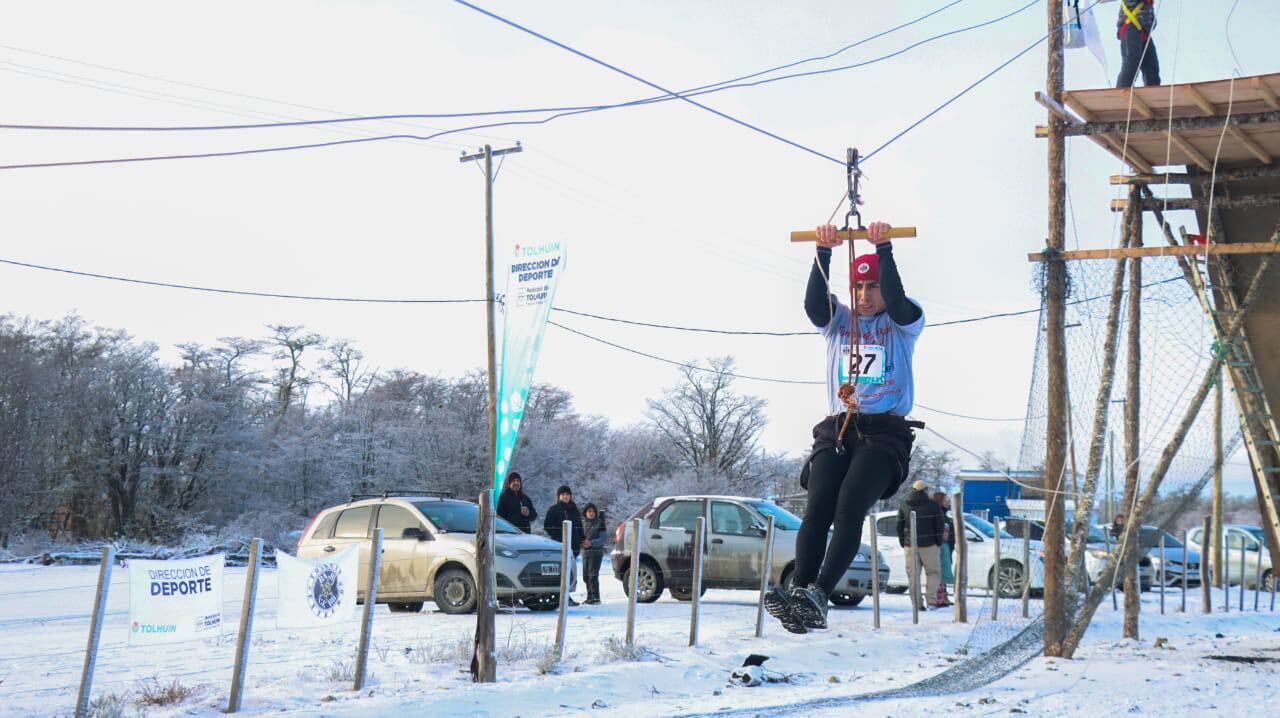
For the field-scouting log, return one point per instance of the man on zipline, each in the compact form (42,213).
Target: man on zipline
(858,459)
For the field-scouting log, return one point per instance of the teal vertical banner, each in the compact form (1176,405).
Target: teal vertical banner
(533,273)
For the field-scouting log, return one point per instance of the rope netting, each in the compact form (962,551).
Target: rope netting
(1177,345)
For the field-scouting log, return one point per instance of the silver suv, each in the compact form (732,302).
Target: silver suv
(735,544)
(429,553)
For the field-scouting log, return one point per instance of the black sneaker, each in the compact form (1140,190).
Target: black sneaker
(572,602)
(810,606)
(780,606)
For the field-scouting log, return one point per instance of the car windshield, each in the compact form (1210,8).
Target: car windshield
(458,517)
(1257,533)
(985,527)
(782,518)
(1095,534)
(1149,538)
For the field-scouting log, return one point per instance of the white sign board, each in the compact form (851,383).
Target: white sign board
(317,592)
(171,601)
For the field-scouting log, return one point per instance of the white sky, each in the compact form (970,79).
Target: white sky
(672,214)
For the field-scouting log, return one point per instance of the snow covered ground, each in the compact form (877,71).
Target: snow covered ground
(418,661)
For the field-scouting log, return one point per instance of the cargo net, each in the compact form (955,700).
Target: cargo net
(1177,345)
(1009,601)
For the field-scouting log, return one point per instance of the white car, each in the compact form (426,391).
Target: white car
(982,571)
(1254,541)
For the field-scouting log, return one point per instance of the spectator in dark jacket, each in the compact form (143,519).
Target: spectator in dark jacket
(515,506)
(929,536)
(565,510)
(946,550)
(593,532)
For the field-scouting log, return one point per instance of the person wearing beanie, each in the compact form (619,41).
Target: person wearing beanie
(593,538)
(565,510)
(515,506)
(861,449)
(930,529)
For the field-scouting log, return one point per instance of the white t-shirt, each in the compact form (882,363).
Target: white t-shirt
(885,384)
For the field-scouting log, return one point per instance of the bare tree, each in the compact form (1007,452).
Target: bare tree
(347,373)
(711,426)
(290,342)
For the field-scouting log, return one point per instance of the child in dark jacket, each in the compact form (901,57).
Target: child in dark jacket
(594,534)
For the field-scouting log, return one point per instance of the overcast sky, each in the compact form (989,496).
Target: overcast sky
(672,214)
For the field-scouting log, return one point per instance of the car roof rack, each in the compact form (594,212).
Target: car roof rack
(388,493)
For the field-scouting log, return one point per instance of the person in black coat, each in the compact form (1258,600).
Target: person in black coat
(565,510)
(594,535)
(930,528)
(515,506)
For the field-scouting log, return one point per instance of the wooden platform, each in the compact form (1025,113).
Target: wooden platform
(1199,112)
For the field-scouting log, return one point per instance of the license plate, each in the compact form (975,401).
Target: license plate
(550,569)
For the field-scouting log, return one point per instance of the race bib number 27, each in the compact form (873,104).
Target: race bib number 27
(867,364)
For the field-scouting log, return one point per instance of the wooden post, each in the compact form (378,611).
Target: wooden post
(961,560)
(766,569)
(370,603)
(1243,576)
(634,582)
(1216,543)
(1114,606)
(483,668)
(995,572)
(695,584)
(1206,594)
(1257,586)
(1055,289)
(1226,580)
(566,569)
(914,581)
(875,571)
(1164,573)
(1026,575)
(95,630)
(245,636)
(1132,413)
(1186,552)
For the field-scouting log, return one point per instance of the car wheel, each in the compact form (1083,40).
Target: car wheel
(1010,579)
(1268,581)
(848,600)
(895,589)
(410,607)
(685,593)
(542,602)
(455,591)
(649,580)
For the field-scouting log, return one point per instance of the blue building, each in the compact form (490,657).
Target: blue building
(987,493)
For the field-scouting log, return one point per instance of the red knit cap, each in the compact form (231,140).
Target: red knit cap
(865,268)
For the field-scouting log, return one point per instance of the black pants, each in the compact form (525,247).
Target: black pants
(591,573)
(1132,56)
(842,489)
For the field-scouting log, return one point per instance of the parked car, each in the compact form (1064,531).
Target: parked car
(428,553)
(1097,548)
(1254,540)
(1180,560)
(735,533)
(982,568)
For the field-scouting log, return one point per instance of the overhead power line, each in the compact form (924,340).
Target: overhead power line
(701,89)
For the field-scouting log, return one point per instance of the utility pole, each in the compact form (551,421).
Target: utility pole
(1055,288)
(484,660)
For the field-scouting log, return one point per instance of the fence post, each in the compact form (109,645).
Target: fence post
(1026,573)
(1257,586)
(960,560)
(1164,573)
(370,601)
(95,630)
(1274,581)
(995,573)
(484,660)
(914,582)
(766,572)
(566,568)
(1243,576)
(875,571)
(1186,560)
(1119,567)
(695,583)
(246,625)
(1206,594)
(634,582)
